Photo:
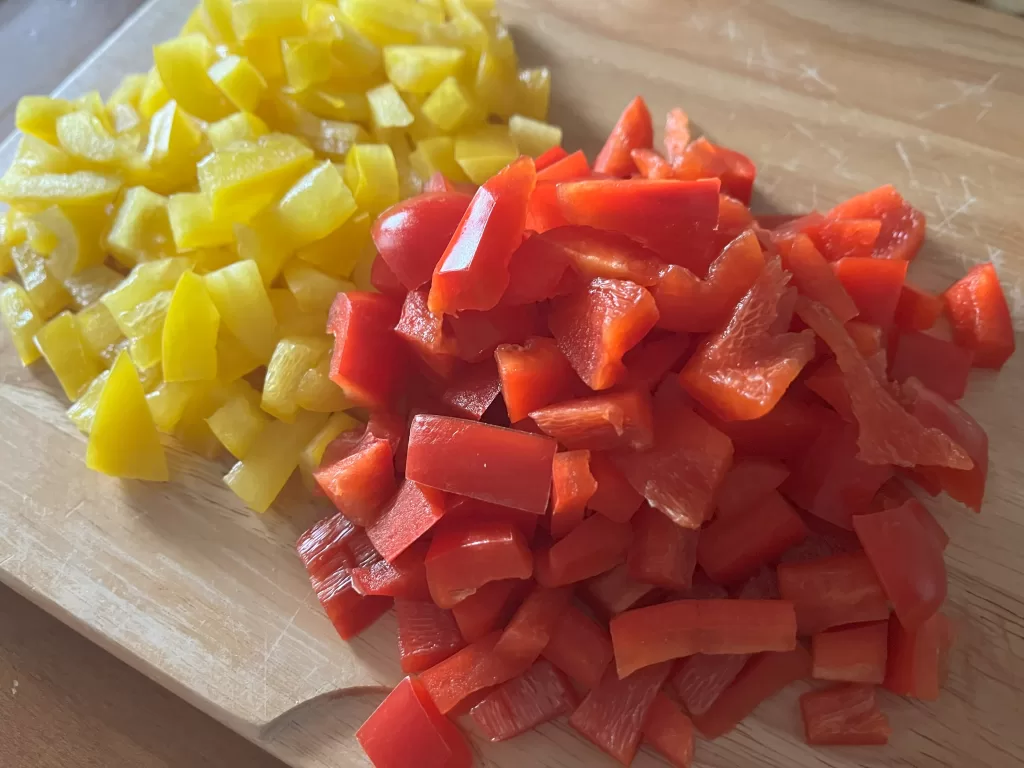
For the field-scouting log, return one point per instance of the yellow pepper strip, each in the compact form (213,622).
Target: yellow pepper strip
(311,455)
(100,333)
(318,393)
(238,293)
(193,224)
(533,137)
(83,410)
(123,441)
(89,285)
(47,294)
(21,320)
(141,230)
(240,81)
(67,189)
(337,253)
(182,63)
(189,338)
(238,423)
(61,344)
(292,358)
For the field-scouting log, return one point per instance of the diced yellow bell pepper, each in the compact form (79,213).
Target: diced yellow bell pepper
(46,293)
(240,81)
(272,458)
(189,339)
(82,135)
(337,253)
(448,106)
(333,139)
(154,96)
(218,19)
(144,326)
(233,360)
(484,152)
(144,282)
(241,126)
(141,230)
(62,347)
(313,290)
(316,205)
(210,259)
(123,441)
(387,109)
(6,262)
(37,116)
(169,400)
(129,91)
(245,177)
(318,393)
(497,75)
(34,156)
(125,119)
(75,238)
(267,18)
(346,106)
(82,412)
(195,24)
(307,61)
(292,358)
(533,137)
(291,319)
(469,30)
(437,154)
(66,189)
(361,273)
(265,54)
(262,240)
(183,63)
(237,424)
(398,22)
(421,68)
(371,174)
(238,293)
(193,224)
(174,145)
(89,285)
(311,455)
(21,320)
(100,333)
(534,92)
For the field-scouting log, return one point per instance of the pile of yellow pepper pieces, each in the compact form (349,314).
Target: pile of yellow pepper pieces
(177,247)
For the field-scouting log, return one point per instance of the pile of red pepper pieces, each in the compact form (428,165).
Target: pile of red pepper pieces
(640,458)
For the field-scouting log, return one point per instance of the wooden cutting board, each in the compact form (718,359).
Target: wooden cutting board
(830,98)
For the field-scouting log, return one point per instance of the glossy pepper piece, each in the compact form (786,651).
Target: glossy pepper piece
(615,498)
(851,654)
(845,238)
(918,659)
(424,333)
(748,482)
(550,157)
(359,484)
(832,591)
(592,547)
(599,253)
(463,559)
(537,272)
(700,679)
(784,432)
(579,647)
(501,466)
(903,226)
(677,134)
(462,509)
(533,375)
(60,342)
(427,635)
(572,485)
(940,365)
(814,277)
(489,608)
(613,592)
(651,165)
(471,391)
(540,694)
(703,160)
(651,360)
(349,612)
(844,714)
(531,627)
(478,334)
(662,553)
(633,130)
(473,271)
(369,361)
(980,319)
(405,578)
(917,309)
(874,285)
(670,732)
(602,422)
(472,669)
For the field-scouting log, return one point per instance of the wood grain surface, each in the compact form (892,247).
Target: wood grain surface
(830,98)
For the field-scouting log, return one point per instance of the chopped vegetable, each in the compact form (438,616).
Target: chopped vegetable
(540,694)
(845,714)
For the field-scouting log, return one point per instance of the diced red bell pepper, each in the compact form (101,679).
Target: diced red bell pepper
(592,547)
(645,636)
(405,578)
(461,510)
(405,518)
(741,372)
(903,226)
(633,130)
(702,160)
(466,672)
(362,482)
(980,319)
(917,309)
(874,285)
(828,382)
(651,165)
(537,272)
(428,739)
(918,659)
(613,714)
(662,553)
(675,219)
(734,218)
(748,482)
(427,635)
(478,334)
(832,591)
(463,559)
(472,391)
(572,485)
(814,277)
(682,472)
(412,235)
(502,466)
(888,434)
(602,422)
(550,157)
(327,545)
(844,238)
(613,592)
(424,332)
(580,648)
(473,272)
(764,675)
(540,694)
(572,166)
(907,560)
(544,212)
(691,305)
(615,498)
(385,281)
(533,375)
(670,731)
(531,627)
(489,608)
(652,359)
(700,679)
(369,360)
(438,183)
(350,613)
(851,654)
(844,715)
(867,336)
(825,540)
(927,519)
(732,548)
(599,253)
(596,325)
(677,134)
(784,432)
(940,365)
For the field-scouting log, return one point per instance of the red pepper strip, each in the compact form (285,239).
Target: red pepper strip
(633,130)
(361,483)
(544,211)
(652,359)
(615,497)
(461,510)
(463,559)
(592,547)
(424,332)
(940,365)
(428,739)
(572,485)
(682,472)
(670,732)
(472,391)
(405,518)
(688,304)
(489,608)
(533,375)
(599,253)
(536,272)
(470,670)
(662,553)
(844,238)
(875,286)
(613,592)
(550,157)
(369,360)
(478,334)
(734,218)
(427,635)
(531,627)
(980,319)
(917,309)
(813,276)
(540,694)
(405,579)
(572,166)
(438,183)
(602,422)
(888,434)
(703,160)
(412,235)
(918,659)
(676,219)
(832,591)
(907,560)
(903,227)
(763,677)
(844,714)
(473,272)
(851,654)
(579,647)
(748,482)
(677,134)
(501,466)
(645,636)
(784,432)
(612,715)
(651,165)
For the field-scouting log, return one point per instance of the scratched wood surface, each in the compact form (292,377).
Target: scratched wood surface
(831,98)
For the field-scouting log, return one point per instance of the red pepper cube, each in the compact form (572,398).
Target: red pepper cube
(540,694)
(473,271)
(531,627)
(423,332)
(980,319)
(412,235)
(633,130)
(462,510)
(592,547)
(832,591)
(615,497)
(851,654)
(670,732)
(613,592)
(478,334)
(350,613)
(814,277)
(917,309)
(550,157)
(536,272)
(700,679)
(748,482)
(918,659)
(701,160)
(360,483)
(471,392)
(579,647)
(489,608)
(572,486)
(844,714)
(875,286)
(468,671)
(845,238)
(594,253)
(428,739)
(734,218)
(533,375)
(651,165)
(405,518)
(327,546)
(596,325)
(783,433)
(385,281)
(662,553)
(651,361)
(940,365)
(405,578)
(902,226)
(463,559)
(369,360)
(427,635)
(602,422)
(493,464)
(572,166)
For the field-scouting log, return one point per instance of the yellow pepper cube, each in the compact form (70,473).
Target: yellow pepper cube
(125,118)
(245,309)
(333,139)
(233,360)
(21,320)
(144,326)
(170,399)
(129,91)
(291,319)
(123,441)
(262,240)
(312,454)
(89,285)
(183,63)
(82,412)
(245,177)
(75,238)
(316,205)
(346,106)
(496,76)
(154,96)
(265,54)
(361,273)
(318,393)
(141,230)
(82,135)
(292,358)
(337,253)
(34,156)
(314,290)
(421,68)
(61,345)
(240,81)
(398,22)
(189,339)
(448,106)
(267,18)
(387,109)
(483,153)
(237,424)
(218,19)
(533,137)
(174,145)
(193,224)
(65,189)
(46,293)
(241,126)
(307,61)
(372,175)
(437,154)
(534,92)
(144,282)
(210,259)
(37,116)
(100,333)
